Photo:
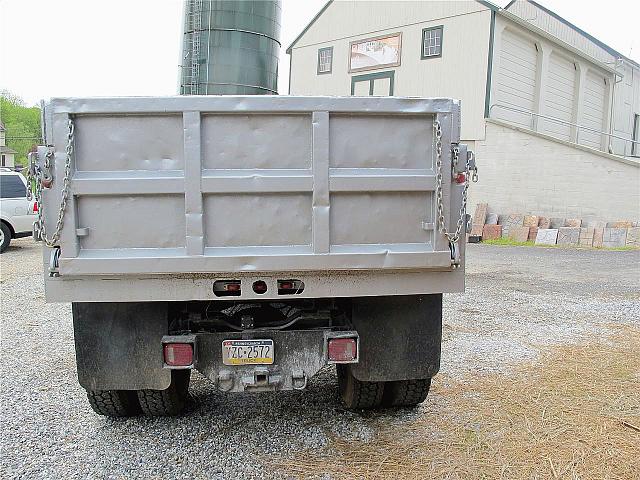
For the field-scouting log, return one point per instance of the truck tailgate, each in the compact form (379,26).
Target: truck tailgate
(239,184)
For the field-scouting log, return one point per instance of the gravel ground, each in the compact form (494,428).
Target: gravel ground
(516,300)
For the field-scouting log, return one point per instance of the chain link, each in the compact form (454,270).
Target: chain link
(452,237)
(41,177)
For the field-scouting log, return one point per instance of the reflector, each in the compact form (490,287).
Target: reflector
(178,354)
(342,350)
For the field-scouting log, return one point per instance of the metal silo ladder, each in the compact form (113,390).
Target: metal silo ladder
(194,20)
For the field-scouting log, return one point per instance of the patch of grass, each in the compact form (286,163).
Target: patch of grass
(573,413)
(508,242)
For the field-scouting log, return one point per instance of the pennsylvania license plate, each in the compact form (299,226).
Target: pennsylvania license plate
(247,352)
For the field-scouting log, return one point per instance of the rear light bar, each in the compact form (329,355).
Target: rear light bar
(342,350)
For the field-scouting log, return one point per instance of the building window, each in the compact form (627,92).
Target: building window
(325,60)
(432,42)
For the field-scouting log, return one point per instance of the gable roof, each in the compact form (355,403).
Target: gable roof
(486,3)
(577,29)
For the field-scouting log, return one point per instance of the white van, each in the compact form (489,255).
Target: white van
(16,212)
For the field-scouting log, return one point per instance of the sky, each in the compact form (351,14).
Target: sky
(57,48)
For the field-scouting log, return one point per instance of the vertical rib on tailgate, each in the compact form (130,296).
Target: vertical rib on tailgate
(217,184)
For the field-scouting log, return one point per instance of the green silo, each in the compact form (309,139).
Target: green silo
(230,47)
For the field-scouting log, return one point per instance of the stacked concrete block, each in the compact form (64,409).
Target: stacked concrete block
(556,223)
(614,237)
(492,219)
(509,222)
(547,236)
(544,223)
(586,237)
(554,231)
(568,236)
(573,222)
(621,224)
(519,234)
(491,232)
(598,237)
(633,237)
(531,222)
(478,220)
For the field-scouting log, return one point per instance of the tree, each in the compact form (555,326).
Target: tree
(22,125)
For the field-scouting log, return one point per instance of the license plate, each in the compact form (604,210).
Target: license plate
(247,352)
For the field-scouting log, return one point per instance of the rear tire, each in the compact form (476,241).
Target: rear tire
(114,403)
(169,402)
(405,393)
(5,237)
(356,394)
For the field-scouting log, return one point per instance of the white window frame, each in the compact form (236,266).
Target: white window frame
(432,42)
(323,63)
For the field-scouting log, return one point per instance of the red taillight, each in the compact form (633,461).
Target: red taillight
(343,350)
(461,178)
(227,288)
(35,207)
(290,287)
(178,354)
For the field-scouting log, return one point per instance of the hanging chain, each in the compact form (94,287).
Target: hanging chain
(42,179)
(454,237)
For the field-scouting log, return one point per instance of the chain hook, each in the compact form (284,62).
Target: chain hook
(43,179)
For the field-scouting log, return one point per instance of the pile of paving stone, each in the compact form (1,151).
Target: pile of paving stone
(553,231)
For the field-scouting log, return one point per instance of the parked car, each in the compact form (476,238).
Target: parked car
(17,214)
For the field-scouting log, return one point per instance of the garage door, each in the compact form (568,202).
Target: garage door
(593,116)
(559,97)
(516,80)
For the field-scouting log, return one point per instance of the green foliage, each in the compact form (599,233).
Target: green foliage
(508,242)
(22,125)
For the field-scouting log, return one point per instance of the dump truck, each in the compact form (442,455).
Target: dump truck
(256,239)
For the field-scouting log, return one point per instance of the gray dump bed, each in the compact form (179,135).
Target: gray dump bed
(170,194)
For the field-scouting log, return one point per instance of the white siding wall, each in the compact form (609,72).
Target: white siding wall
(525,173)
(457,73)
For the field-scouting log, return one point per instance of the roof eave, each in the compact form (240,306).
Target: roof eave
(543,33)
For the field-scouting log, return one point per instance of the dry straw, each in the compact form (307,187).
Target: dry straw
(573,414)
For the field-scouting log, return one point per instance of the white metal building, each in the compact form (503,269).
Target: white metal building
(551,112)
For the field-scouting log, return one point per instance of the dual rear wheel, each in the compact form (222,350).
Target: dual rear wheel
(357,394)
(172,401)
(153,403)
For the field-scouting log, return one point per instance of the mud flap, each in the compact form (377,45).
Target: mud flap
(400,337)
(118,345)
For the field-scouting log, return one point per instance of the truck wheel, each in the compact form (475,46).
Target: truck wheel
(356,394)
(114,403)
(405,393)
(168,402)
(5,237)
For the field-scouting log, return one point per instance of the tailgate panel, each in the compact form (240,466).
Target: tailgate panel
(231,184)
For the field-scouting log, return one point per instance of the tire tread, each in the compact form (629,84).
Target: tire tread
(113,403)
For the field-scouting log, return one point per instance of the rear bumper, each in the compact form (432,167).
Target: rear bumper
(298,355)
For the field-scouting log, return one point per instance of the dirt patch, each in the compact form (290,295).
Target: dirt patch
(572,413)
